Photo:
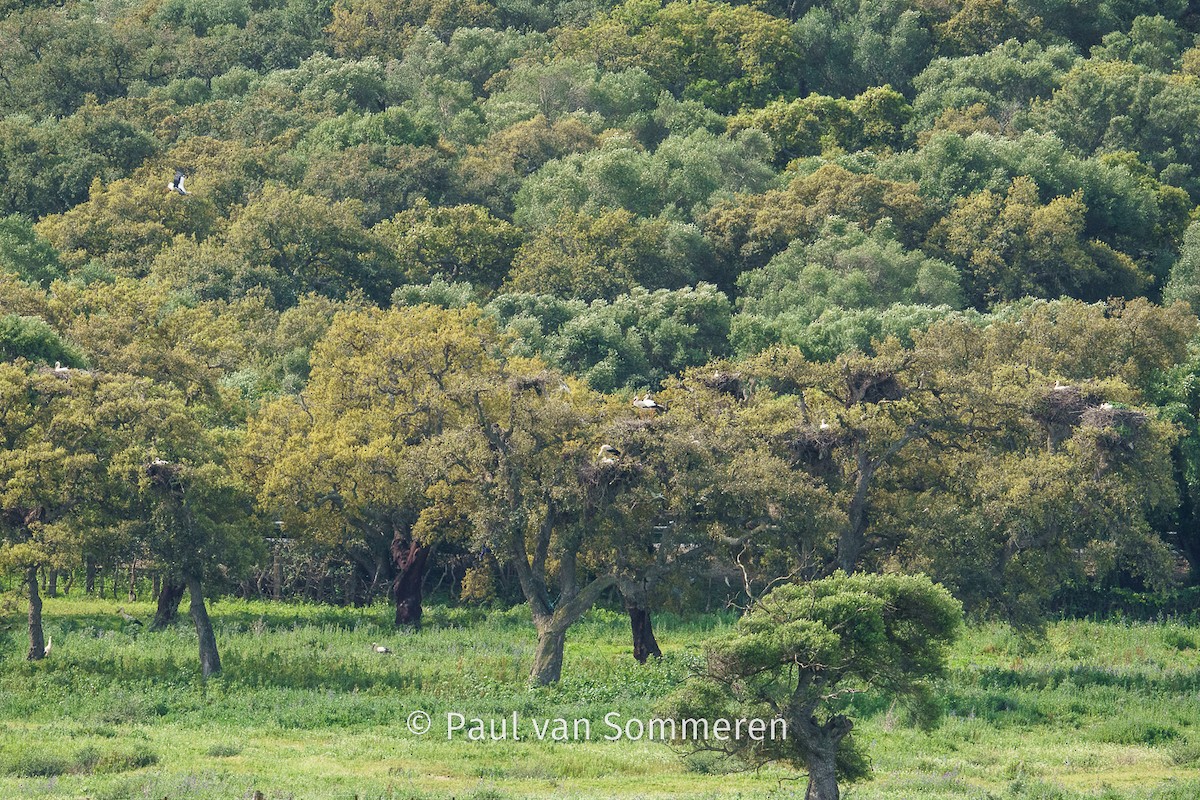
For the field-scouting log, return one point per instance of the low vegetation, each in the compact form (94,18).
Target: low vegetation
(305,709)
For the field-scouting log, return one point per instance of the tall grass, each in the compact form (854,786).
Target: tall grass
(306,709)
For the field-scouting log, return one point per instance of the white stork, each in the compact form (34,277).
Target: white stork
(177,184)
(647,404)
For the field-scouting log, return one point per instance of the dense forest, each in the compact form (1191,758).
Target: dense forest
(648,304)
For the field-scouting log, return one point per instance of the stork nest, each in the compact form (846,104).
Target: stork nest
(597,475)
(165,475)
(873,386)
(733,384)
(813,447)
(23,517)
(1119,428)
(1063,406)
(540,382)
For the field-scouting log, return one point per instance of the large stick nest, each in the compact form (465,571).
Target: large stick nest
(165,475)
(813,447)
(1063,406)
(873,386)
(620,471)
(541,383)
(734,384)
(1120,428)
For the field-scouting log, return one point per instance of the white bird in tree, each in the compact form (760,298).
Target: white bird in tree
(647,404)
(824,425)
(59,369)
(607,454)
(177,184)
(378,648)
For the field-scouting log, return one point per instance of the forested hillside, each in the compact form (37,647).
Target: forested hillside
(647,304)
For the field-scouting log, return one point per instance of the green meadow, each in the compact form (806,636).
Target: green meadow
(306,709)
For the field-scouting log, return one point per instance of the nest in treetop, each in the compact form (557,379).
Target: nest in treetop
(164,474)
(1119,427)
(733,384)
(23,517)
(812,447)
(608,474)
(873,386)
(540,382)
(1063,406)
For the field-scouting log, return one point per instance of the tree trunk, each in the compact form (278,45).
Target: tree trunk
(170,594)
(644,643)
(155,586)
(822,776)
(210,659)
(548,657)
(89,584)
(52,584)
(37,639)
(276,576)
(821,744)
(854,534)
(410,559)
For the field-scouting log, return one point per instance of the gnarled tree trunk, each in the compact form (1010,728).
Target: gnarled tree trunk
(210,659)
(37,639)
(170,594)
(640,624)
(410,559)
(821,745)
(548,656)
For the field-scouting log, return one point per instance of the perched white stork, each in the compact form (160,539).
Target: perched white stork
(59,369)
(177,184)
(647,404)
(823,426)
(607,454)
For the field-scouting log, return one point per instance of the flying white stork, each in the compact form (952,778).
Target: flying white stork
(177,184)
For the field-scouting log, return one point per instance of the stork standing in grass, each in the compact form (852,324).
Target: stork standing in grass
(378,648)
(130,618)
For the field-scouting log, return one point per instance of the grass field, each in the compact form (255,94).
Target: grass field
(305,709)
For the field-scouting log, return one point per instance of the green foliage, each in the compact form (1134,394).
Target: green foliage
(804,649)
(678,179)
(725,56)
(1002,81)
(636,340)
(32,339)
(815,124)
(1183,284)
(25,254)
(1106,105)
(459,243)
(1014,246)
(848,268)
